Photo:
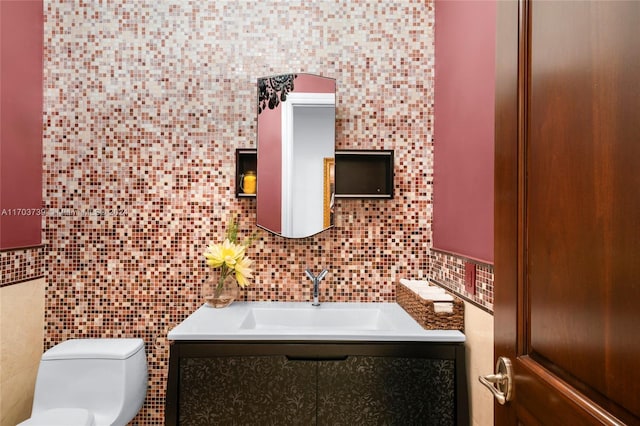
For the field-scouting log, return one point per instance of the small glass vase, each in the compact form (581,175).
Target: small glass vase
(218,292)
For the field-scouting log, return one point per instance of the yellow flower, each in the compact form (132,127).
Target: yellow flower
(243,271)
(226,254)
(229,257)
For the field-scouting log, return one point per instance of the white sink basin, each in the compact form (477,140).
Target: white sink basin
(299,321)
(305,318)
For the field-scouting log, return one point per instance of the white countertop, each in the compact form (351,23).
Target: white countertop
(300,321)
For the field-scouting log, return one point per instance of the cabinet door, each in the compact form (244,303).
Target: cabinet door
(246,390)
(385,390)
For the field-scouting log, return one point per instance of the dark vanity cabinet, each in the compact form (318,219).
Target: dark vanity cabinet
(246,390)
(319,383)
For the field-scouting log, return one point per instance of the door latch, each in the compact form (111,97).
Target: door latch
(501,383)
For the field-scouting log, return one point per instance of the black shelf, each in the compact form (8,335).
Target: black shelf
(360,174)
(246,160)
(364,174)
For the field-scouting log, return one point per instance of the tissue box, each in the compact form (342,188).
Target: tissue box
(423,312)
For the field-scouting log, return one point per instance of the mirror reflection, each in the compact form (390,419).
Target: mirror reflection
(296,154)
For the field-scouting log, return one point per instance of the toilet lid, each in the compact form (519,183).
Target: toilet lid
(61,417)
(94,349)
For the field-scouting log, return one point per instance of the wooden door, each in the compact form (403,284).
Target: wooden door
(567,259)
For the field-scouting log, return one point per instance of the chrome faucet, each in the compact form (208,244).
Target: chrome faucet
(316,283)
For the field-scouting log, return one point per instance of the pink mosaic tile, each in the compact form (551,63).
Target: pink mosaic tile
(21,265)
(447,270)
(145,104)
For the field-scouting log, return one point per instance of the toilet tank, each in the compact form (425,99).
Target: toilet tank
(105,376)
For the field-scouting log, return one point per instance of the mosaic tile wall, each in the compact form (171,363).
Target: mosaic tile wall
(21,265)
(447,270)
(145,104)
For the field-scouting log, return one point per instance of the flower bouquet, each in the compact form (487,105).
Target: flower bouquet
(232,267)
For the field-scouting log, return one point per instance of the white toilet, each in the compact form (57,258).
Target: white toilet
(90,382)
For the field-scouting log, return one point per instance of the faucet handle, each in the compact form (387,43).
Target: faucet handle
(319,277)
(309,274)
(322,274)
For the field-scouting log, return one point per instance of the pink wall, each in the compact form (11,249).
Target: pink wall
(464,128)
(21,123)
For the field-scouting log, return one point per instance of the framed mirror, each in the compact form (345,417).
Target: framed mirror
(296,154)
